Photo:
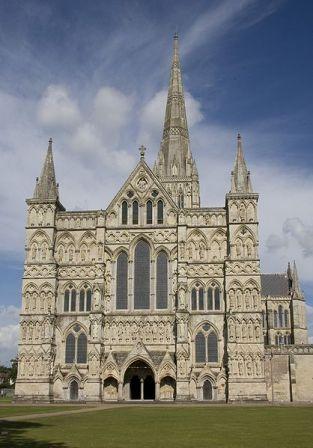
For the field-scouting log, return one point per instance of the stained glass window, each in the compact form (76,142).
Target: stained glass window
(70,349)
(135,212)
(124,212)
(162,281)
(122,281)
(142,276)
(160,212)
(149,212)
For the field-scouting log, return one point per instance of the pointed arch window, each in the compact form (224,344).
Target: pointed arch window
(69,299)
(135,212)
(286,318)
(200,347)
(210,298)
(181,200)
(70,349)
(124,212)
(122,281)
(76,346)
(217,298)
(160,210)
(162,280)
(149,209)
(142,276)
(280,316)
(85,298)
(194,299)
(206,345)
(201,299)
(82,349)
(275,319)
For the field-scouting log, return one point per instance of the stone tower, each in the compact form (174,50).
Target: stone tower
(175,165)
(36,344)
(245,345)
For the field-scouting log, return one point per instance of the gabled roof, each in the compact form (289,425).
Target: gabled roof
(142,166)
(275,285)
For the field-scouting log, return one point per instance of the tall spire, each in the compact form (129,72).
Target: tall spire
(240,176)
(174,158)
(46,186)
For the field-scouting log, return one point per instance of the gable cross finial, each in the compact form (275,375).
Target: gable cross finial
(142,151)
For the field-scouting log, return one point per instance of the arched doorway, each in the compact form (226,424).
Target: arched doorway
(139,382)
(207,390)
(74,390)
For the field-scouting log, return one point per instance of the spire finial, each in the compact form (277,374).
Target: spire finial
(46,187)
(240,175)
(142,151)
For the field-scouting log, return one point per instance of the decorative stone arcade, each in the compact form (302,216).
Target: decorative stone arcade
(139,382)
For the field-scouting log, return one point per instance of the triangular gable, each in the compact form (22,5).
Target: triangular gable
(140,170)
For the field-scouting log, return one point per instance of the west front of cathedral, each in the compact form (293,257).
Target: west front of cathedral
(157,297)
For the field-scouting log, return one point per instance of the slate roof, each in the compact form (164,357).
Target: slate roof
(275,285)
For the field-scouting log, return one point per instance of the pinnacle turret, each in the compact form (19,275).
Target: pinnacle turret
(296,289)
(240,176)
(46,186)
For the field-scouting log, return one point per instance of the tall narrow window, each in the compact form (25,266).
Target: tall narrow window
(82,300)
(82,349)
(210,298)
(181,200)
(217,298)
(194,299)
(200,347)
(275,319)
(161,280)
(142,276)
(212,347)
(88,303)
(73,300)
(149,212)
(122,281)
(67,300)
(160,212)
(70,349)
(135,212)
(286,318)
(280,316)
(124,212)
(201,301)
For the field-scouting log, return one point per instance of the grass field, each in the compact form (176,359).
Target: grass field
(169,427)
(11,411)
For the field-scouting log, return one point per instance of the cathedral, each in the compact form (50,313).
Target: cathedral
(158,297)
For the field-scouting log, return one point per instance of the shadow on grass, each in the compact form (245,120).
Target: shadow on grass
(12,435)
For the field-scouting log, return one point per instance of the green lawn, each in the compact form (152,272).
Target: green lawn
(11,411)
(169,427)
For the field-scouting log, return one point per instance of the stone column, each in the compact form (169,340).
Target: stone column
(141,389)
(157,390)
(120,391)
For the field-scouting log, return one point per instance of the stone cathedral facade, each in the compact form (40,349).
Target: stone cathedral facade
(157,297)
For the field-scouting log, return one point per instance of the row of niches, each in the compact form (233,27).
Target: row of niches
(205,219)
(283,339)
(38,300)
(245,330)
(244,211)
(35,331)
(76,222)
(33,365)
(158,331)
(246,365)
(244,299)
(41,216)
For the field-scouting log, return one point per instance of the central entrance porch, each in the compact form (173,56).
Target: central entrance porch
(139,382)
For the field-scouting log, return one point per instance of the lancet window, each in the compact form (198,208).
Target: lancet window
(76,346)
(206,346)
(122,281)
(161,280)
(209,301)
(142,276)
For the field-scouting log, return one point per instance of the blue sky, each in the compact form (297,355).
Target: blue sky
(93,75)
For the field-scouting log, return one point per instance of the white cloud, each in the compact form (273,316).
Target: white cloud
(57,109)
(112,110)
(222,18)
(302,233)
(9,328)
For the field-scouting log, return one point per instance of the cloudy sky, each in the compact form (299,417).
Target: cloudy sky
(93,75)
